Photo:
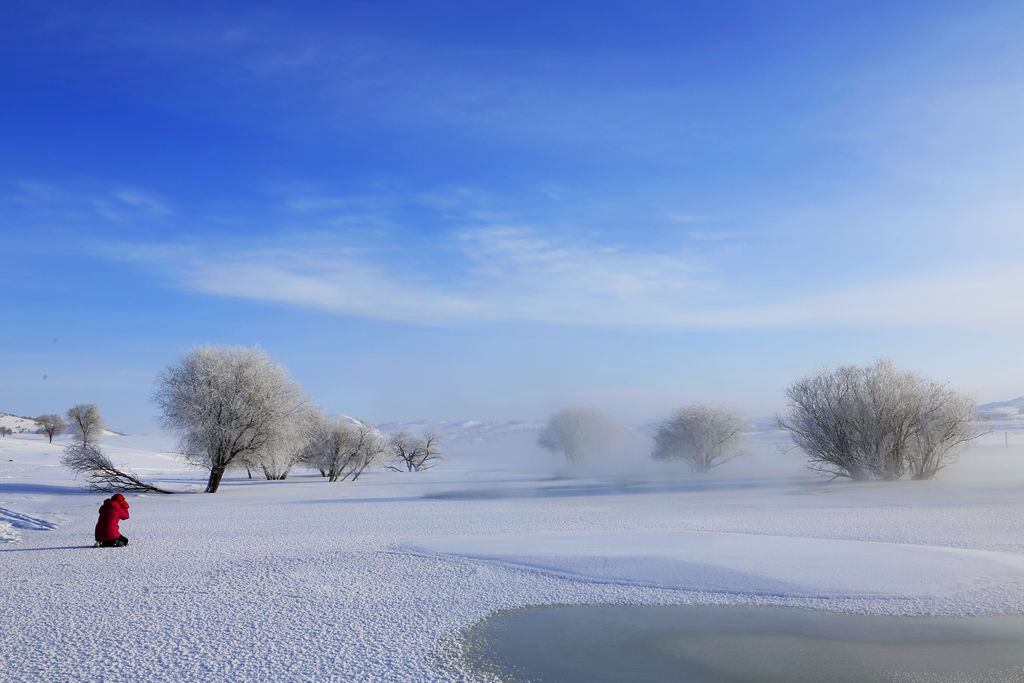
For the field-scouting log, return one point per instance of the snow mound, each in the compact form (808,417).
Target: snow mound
(756,565)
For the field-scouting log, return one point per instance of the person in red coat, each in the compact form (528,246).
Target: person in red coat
(113,510)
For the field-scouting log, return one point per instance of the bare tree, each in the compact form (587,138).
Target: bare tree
(412,453)
(4,431)
(699,435)
(51,425)
(100,472)
(85,421)
(230,406)
(577,433)
(371,444)
(875,422)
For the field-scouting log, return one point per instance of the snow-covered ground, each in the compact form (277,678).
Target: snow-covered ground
(306,580)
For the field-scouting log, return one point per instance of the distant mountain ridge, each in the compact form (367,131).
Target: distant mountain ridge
(463,431)
(1001,410)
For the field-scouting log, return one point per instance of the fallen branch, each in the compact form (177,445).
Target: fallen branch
(100,472)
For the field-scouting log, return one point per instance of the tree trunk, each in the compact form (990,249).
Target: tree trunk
(214,482)
(249,472)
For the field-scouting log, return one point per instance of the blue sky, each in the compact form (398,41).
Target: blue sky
(484,211)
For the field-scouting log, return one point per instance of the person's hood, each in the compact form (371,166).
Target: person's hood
(112,502)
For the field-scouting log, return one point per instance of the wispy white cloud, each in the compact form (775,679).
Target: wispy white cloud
(114,204)
(507,274)
(517,274)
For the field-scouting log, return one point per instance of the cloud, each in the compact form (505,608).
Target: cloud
(96,207)
(506,274)
(519,274)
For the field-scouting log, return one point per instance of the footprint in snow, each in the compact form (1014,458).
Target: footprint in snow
(23,521)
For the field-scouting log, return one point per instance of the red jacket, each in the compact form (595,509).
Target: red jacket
(112,511)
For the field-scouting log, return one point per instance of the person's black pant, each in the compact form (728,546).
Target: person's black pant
(116,543)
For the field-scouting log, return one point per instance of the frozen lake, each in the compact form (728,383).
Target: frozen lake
(716,643)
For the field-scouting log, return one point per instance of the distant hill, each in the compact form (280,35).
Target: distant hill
(1002,410)
(28,425)
(18,424)
(464,431)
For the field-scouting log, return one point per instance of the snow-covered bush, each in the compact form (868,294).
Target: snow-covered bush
(701,436)
(946,420)
(85,422)
(577,433)
(875,422)
(413,453)
(231,406)
(100,472)
(51,425)
(342,448)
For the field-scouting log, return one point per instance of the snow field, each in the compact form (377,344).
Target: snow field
(306,580)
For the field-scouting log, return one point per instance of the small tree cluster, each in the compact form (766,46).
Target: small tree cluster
(577,433)
(101,474)
(340,448)
(414,454)
(701,436)
(4,431)
(51,425)
(875,422)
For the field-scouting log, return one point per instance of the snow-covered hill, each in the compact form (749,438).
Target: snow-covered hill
(485,443)
(18,424)
(28,425)
(1002,410)
(465,431)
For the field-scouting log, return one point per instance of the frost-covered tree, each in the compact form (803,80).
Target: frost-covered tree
(4,431)
(701,436)
(51,425)
(230,406)
(101,474)
(414,453)
(367,445)
(876,422)
(340,447)
(946,421)
(85,422)
(327,445)
(277,462)
(577,433)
